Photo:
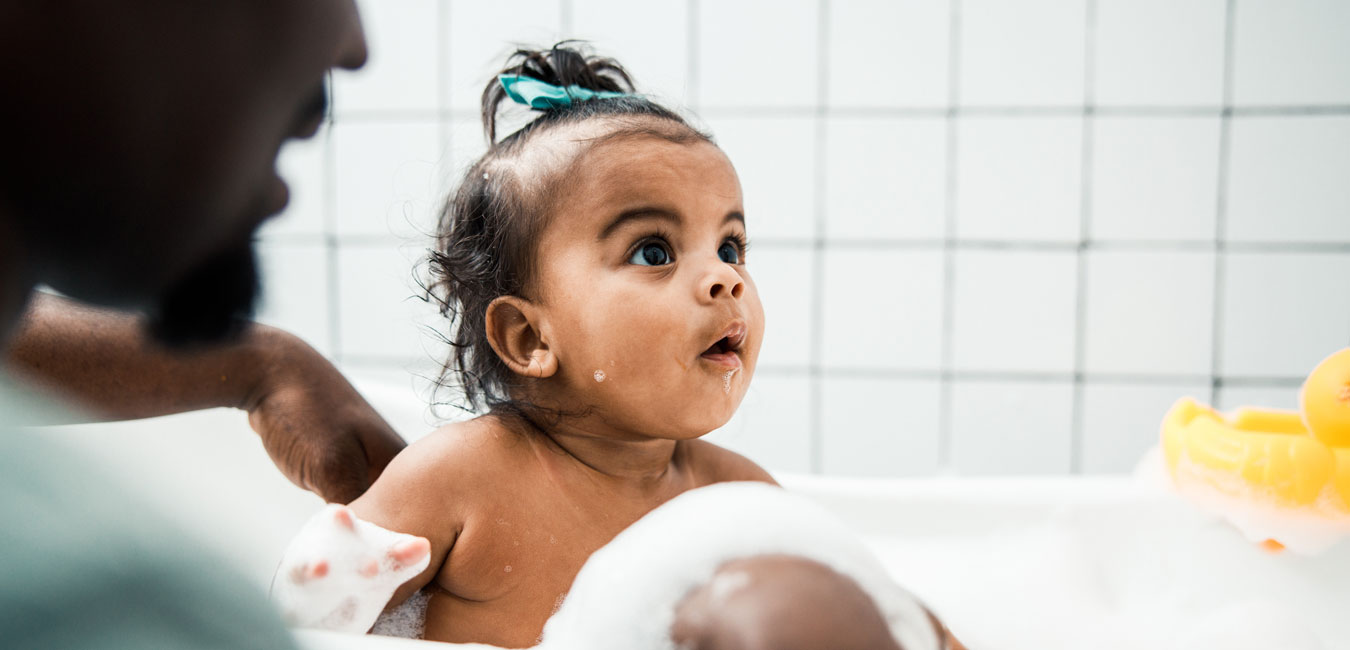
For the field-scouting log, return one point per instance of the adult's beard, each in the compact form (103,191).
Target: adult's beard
(213,304)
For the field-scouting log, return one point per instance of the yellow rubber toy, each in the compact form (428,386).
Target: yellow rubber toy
(1283,477)
(1325,400)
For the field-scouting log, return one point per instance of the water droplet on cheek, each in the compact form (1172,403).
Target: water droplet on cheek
(599,375)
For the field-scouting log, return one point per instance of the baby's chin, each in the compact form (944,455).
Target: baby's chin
(692,428)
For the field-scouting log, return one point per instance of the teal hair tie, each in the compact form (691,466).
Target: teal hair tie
(544,96)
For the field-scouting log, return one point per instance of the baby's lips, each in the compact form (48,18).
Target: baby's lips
(730,339)
(736,335)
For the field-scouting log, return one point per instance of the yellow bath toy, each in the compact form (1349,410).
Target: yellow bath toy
(1282,477)
(1325,400)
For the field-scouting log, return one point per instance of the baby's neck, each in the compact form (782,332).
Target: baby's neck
(643,463)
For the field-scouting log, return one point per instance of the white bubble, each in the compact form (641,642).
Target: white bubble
(599,375)
(726,380)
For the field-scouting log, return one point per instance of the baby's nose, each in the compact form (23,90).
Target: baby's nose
(723,282)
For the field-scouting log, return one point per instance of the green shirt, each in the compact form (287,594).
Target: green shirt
(82,565)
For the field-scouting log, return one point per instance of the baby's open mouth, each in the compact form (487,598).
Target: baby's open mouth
(722,345)
(725,351)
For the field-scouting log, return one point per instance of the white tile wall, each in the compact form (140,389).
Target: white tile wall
(775,160)
(889,54)
(1282,312)
(1291,52)
(773,425)
(301,164)
(657,58)
(467,143)
(1230,398)
(1149,312)
(1154,178)
(885,178)
(386,177)
(909,166)
(1014,311)
(1122,421)
(1025,53)
(857,443)
(778,69)
(1159,53)
(296,296)
(480,35)
(1008,428)
(1288,179)
(402,70)
(380,314)
(1019,178)
(783,278)
(883,309)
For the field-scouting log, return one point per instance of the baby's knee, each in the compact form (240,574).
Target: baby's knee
(780,602)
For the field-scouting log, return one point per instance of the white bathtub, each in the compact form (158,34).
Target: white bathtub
(1018,563)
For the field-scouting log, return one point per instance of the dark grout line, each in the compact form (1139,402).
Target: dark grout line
(1013,376)
(328,206)
(442,66)
(400,116)
(1076,416)
(946,406)
(898,112)
(817,300)
(1221,202)
(1124,246)
(1280,111)
(691,81)
(566,25)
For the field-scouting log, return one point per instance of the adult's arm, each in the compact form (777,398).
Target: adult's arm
(318,430)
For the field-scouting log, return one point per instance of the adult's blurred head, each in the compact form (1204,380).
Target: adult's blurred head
(138,142)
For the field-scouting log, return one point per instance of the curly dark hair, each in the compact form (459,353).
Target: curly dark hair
(490,226)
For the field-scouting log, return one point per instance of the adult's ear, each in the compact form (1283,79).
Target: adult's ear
(514,333)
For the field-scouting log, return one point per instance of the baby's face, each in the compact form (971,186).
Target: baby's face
(642,278)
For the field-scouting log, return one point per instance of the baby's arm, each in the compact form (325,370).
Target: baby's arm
(348,565)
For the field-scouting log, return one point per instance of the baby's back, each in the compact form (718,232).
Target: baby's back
(521,516)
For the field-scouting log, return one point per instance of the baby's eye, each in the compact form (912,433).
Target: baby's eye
(651,254)
(729,253)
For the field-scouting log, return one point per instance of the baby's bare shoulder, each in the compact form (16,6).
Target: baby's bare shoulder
(713,464)
(442,475)
(461,453)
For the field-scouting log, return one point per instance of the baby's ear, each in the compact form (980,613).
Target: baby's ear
(513,332)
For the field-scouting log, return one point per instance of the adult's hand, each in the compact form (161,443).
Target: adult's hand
(318,430)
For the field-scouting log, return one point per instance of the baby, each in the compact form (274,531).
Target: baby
(593,264)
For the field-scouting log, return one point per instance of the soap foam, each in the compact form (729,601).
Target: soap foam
(1306,529)
(625,596)
(345,598)
(1150,571)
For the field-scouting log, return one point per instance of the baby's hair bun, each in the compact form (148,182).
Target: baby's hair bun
(565,64)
